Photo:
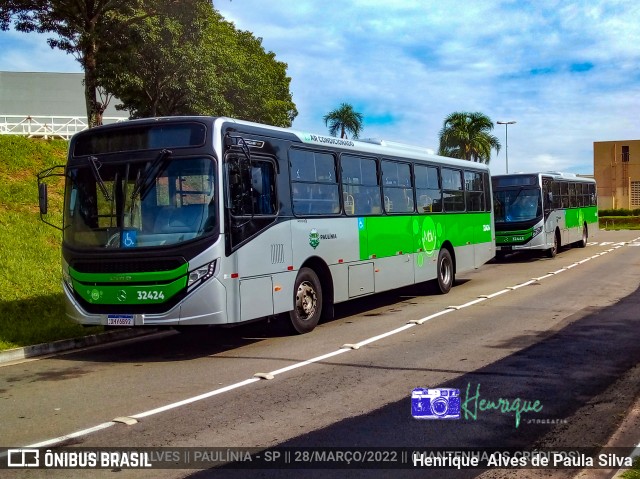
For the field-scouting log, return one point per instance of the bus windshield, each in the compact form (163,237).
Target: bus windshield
(140,203)
(517,204)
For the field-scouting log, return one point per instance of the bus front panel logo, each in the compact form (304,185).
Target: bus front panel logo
(314,238)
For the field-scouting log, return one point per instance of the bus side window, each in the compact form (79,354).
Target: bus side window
(474,191)
(263,188)
(360,181)
(593,200)
(428,192)
(453,193)
(314,183)
(397,190)
(252,189)
(556,197)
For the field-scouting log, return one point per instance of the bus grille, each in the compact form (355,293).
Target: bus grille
(128,266)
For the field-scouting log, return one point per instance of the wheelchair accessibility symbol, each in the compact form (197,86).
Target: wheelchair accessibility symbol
(129,239)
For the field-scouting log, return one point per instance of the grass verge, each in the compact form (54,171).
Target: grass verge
(633,473)
(619,222)
(31,298)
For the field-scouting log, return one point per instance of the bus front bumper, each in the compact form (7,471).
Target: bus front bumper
(204,306)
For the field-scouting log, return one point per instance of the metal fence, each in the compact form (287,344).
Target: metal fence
(44,126)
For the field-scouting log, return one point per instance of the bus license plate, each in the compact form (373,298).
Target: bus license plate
(120,320)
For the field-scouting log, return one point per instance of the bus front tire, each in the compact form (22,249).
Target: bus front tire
(553,251)
(307,302)
(446,274)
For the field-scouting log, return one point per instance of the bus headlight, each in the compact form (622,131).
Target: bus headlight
(201,274)
(536,231)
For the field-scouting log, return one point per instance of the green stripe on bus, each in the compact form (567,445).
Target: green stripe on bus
(144,277)
(511,237)
(391,235)
(123,294)
(575,217)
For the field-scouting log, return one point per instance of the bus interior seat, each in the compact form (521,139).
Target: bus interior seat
(349,205)
(426,203)
(388,204)
(184,219)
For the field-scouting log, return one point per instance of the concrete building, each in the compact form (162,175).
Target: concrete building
(46,104)
(616,168)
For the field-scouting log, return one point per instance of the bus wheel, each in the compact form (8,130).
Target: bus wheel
(445,271)
(307,301)
(553,251)
(585,236)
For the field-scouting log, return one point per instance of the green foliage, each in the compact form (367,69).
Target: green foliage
(619,212)
(344,119)
(634,472)
(79,28)
(619,219)
(161,57)
(619,222)
(189,61)
(467,136)
(31,301)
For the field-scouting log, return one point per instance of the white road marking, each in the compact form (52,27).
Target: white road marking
(272,374)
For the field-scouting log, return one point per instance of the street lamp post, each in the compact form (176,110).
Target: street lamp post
(506,138)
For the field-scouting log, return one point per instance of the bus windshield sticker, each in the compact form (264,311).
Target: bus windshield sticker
(254,143)
(326,140)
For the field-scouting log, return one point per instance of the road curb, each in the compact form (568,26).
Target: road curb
(27,352)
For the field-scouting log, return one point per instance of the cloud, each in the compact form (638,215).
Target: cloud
(567,71)
(30,52)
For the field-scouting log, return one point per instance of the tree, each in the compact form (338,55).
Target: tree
(193,62)
(467,136)
(162,68)
(344,119)
(82,28)
(257,85)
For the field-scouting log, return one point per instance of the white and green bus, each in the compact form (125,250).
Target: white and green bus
(215,221)
(543,211)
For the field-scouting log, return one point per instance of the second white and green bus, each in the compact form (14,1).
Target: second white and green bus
(215,221)
(543,211)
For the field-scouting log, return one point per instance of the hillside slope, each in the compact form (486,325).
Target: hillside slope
(31,305)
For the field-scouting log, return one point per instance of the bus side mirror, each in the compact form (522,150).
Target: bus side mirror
(43,198)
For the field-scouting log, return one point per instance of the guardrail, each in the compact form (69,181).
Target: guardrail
(46,126)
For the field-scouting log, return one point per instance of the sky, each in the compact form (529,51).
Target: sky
(567,72)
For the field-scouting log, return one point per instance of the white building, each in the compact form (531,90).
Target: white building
(46,104)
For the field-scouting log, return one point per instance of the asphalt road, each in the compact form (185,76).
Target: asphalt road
(569,340)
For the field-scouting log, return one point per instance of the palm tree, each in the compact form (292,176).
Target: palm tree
(467,136)
(344,119)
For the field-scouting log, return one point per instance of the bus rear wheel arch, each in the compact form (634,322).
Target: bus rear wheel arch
(307,301)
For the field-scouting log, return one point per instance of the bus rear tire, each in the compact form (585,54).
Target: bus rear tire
(585,237)
(307,302)
(446,274)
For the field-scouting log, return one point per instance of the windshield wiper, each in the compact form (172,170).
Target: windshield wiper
(95,167)
(146,180)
